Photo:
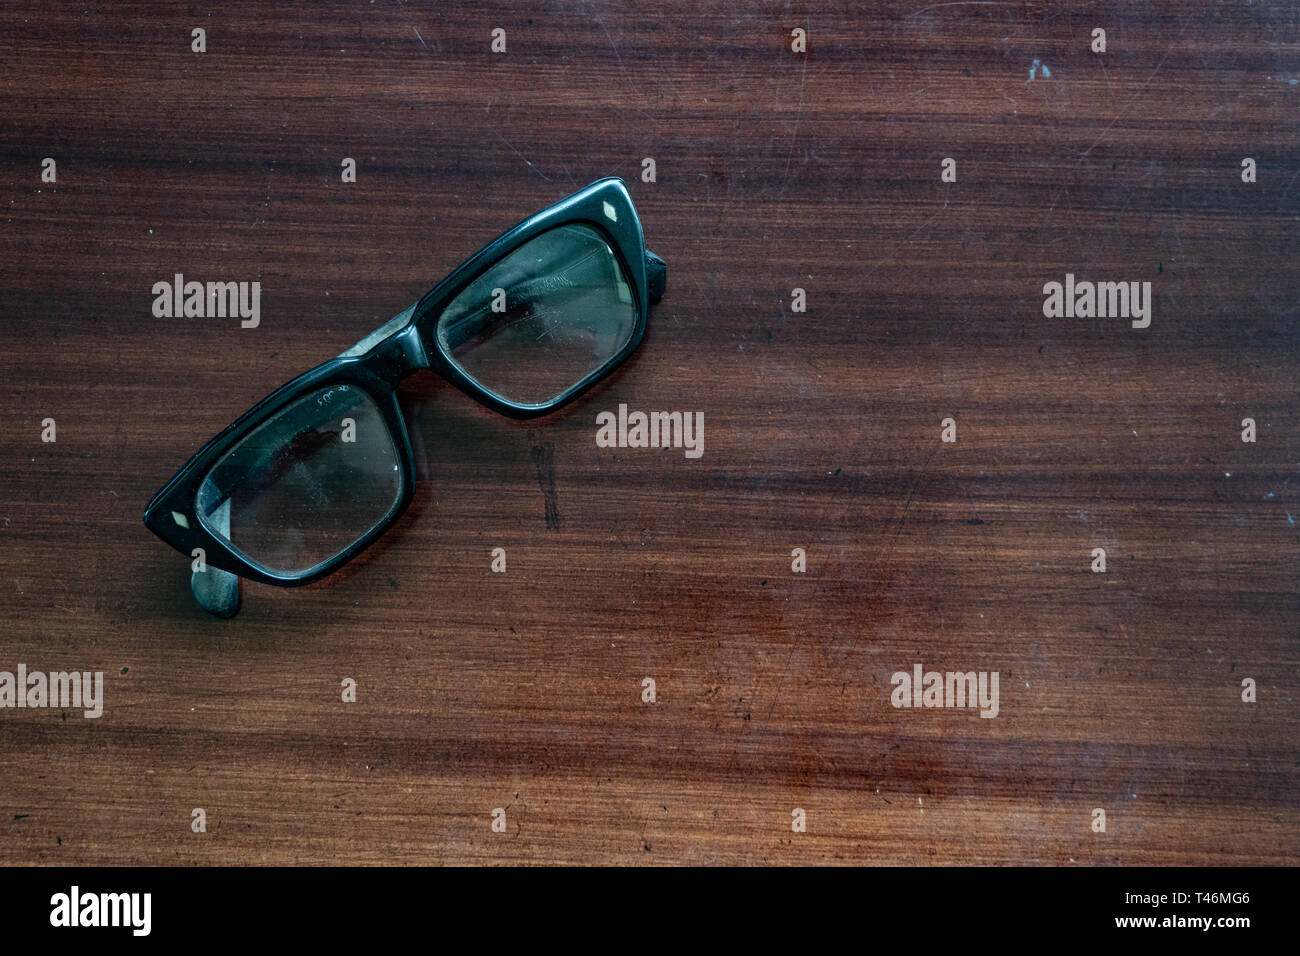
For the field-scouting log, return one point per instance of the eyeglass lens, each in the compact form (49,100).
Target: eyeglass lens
(543,318)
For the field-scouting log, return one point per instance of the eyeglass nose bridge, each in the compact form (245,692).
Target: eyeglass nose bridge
(401,355)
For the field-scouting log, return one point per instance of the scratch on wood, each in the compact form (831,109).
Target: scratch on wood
(544,458)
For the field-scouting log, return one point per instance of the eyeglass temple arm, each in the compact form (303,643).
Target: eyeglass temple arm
(656,276)
(217,591)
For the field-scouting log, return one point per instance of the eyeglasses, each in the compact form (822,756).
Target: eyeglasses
(311,475)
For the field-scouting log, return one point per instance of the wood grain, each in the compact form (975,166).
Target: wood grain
(775,170)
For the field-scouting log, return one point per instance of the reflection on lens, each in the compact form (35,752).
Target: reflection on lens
(306,483)
(543,318)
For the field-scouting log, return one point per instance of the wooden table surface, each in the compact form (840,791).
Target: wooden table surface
(775,170)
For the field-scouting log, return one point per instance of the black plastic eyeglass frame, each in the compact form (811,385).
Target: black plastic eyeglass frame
(406,344)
